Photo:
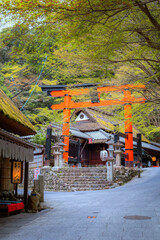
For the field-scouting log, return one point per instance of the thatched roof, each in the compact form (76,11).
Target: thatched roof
(96,121)
(101,120)
(12,119)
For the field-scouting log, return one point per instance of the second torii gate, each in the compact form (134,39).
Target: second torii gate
(68,104)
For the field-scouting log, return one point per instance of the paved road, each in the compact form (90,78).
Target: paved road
(94,215)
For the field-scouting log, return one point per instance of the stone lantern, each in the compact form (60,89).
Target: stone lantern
(109,162)
(118,152)
(110,149)
(57,155)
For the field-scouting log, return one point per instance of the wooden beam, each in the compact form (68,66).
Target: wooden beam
(83,91)
(98,104)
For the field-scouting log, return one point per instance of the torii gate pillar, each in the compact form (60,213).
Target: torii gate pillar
(128,131)
(66,126)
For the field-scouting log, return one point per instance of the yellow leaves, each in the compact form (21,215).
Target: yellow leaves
(12,71)
(35,88)
(48,82)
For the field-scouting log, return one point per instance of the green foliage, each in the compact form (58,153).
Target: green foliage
(42,117)
(40,138)
(3,87)
(108,42)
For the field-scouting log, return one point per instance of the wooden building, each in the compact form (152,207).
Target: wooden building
(12,148)
(94,128)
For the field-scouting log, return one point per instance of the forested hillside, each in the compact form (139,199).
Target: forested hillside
(67,42)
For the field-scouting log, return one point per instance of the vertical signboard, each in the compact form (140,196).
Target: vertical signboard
(36,173)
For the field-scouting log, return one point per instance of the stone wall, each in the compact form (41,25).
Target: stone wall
(53,180)
(123,175)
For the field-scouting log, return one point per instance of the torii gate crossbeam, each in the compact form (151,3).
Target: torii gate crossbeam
(68,104)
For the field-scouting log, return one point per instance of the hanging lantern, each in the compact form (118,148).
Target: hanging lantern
(103,155)
(153,159)
(16,172)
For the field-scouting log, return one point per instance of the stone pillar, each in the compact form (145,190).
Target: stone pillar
(157,162)
(109,165)
(57,153)
(118,152)
(39,186)
(118,158)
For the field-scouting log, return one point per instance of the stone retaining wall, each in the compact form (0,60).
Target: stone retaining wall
(53,180)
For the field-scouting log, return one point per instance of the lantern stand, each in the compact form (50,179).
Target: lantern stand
(62,163)
(104,156)
(57,153)
(16,174)
(117,146)
(109,162)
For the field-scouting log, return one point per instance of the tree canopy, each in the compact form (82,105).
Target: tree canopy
(88,40)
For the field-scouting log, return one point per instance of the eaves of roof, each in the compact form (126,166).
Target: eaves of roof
(99,135)
(12,119)
(77,133)
(12,138)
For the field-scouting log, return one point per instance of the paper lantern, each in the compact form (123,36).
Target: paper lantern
(16,172)
(153,159)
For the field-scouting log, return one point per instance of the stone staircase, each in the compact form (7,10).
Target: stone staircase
(83,179)
(69,179)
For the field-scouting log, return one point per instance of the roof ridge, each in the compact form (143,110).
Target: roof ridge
(101,111)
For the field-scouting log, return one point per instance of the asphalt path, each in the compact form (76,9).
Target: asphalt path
(129,212)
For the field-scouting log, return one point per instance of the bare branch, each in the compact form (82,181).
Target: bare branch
(149,42)
(144,9)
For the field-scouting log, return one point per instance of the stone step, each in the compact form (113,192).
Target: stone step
(61,170)
(88,189)
(83,179)
(81,175)
(82,182)
(87,185)
(79,170)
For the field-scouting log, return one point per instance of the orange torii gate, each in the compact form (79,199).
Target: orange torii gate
(68,104)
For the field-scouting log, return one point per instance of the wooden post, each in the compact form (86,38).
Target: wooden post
(48,147)
(66,125)
(139,152)
(26,187)
(78,151)
(116,131)
(128,130)
(16,189)
(139,147)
